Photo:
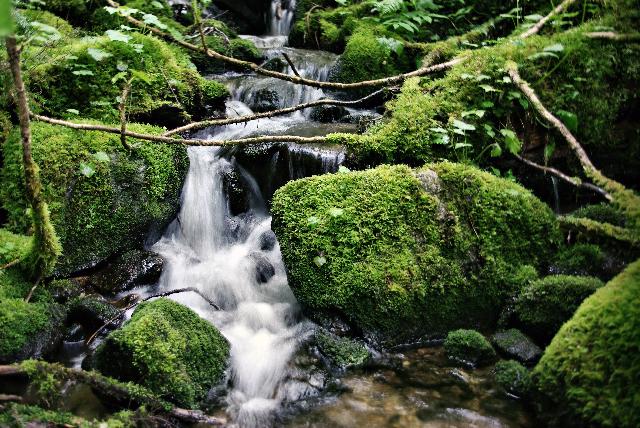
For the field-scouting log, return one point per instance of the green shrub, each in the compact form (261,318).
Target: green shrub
(588,375)
(405,254)
(167,348)
(543,306)
(513,377)
(469,347)
(103,199)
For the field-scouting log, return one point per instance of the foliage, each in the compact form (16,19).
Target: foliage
(405,254)
(102,198)
(580,259)
(544,305)
(12,247)
(468,347)
(588,374)
(167,348)
(513,377)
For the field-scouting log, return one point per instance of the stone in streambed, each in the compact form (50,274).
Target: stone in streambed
(133,268)
(264,269)
(514,344)
(267,240)
(468,347)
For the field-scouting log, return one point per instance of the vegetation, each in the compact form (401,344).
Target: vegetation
(586,375)
(469,347)
(513,377)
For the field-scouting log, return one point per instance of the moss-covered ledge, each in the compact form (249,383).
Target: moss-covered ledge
(103,199)
(403,254)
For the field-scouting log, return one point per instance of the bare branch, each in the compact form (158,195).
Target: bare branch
(611,35)
(291,64)
(10,264)
(248,118)
(571,180)
(538,25)
(289,78)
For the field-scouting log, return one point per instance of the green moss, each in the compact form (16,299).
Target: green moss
(468,347)
(580,259)
(235,47)
(405,254)
(20,415)
(588,375)
(76,80)
(603,213)
(513,377)
(544,305)
(13,247)
(64,28)
(110,207)
(342,351)
(167,348)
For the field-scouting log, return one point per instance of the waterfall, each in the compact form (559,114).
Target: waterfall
(281,16)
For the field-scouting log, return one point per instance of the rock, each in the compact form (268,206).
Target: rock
(264,269)
(265,100)
(267,240)
(544,305)
(514,344)
(588,375)
(236,191)
(328,113)
(275,64)
(513,377)
(342,352)
(92,312)
(167,348)
(469,347)
(404,260)
(133,268)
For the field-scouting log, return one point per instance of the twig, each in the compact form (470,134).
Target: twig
(33,289)
(123,114)
(137,302)
(611,35)
(248,118)
(9,397)
(286,77)
(571,180)
(119,392)
(293,67)
(538,25)
(10,264)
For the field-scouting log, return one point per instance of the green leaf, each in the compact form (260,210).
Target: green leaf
(313,220)
(488,88)
(319,261)
(496,150)
(117,36)
(157,4)
(141,75)
(101,157)
(83,72)
(548,152)
(461,145)
(98,54)
(569,119)
(119,76)
(477,113)
(557,47)
(73,111)
(150,19)
(511,141)
(87,169)
(463,126)
(343,169)
(6,18)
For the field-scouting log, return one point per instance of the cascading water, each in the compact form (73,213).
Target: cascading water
(281,16)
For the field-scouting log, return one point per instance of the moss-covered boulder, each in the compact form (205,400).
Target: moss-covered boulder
(513,377)
(588,375)
(514,344)
(402,254)
(27,330)
(103,199)
(341,352)
(544,305)
(167,348)
(468,347)
(86,77)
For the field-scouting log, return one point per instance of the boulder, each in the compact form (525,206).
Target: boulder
(264,269)
(265,100)
(588,375)
(328,114)
(468,347)
(403,255)
(514,344)
(341,352)
(92,312)
(268,240)
(513,377)
(167,348)
(135,267)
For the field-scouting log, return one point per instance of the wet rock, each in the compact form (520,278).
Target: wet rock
(127,271)
(264,269)
(235,190)
(513,377)
(92,312)
(514,344)
(328,114)
(469,348)
(265,100)
(341,352)
(267,240)
(274,64)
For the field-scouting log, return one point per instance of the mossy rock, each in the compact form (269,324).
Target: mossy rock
(469,347)
(27,330)
(103,199)
(514,344)
(513,377)
(167,348)
(603,213)
(80,79)
(544,305)
(236,47)
(402,254)
(341,351)
(588,375)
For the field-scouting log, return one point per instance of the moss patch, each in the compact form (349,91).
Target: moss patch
(513,377)
(342,351)
(103,200)
(167,348)
(405,254)
(588,375)
(468,347)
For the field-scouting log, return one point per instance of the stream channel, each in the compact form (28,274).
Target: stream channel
(222,244)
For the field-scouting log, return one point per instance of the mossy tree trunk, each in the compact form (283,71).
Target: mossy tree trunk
(45,247)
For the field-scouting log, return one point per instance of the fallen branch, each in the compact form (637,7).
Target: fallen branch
(611,35)
(10,264)
(137,302)
(597,229)
(241,119)
(286,77)
(170,140)
(571,180)
(291,64)
(117,391)
(10,398)
(538,25)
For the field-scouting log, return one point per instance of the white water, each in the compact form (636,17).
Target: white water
(281,15)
